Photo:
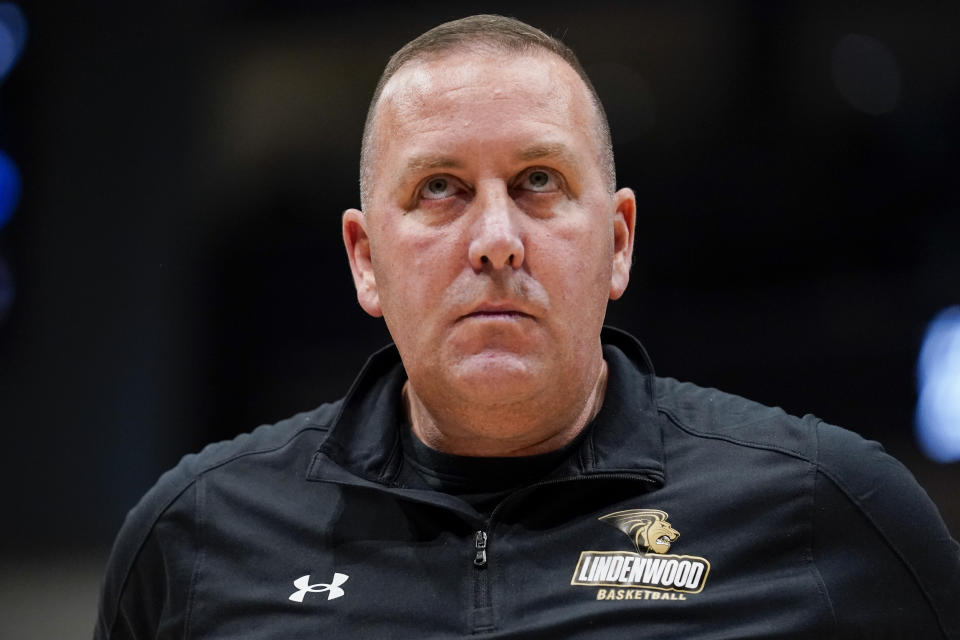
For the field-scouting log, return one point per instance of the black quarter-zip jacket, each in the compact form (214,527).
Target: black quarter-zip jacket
(683,512)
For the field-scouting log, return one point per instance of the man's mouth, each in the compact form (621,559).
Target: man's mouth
(504,313)
(497,312)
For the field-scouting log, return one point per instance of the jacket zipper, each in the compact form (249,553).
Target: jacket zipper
(481,618)
(480,542)
(482,615)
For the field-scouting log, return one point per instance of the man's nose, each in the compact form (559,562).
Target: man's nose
(496,241)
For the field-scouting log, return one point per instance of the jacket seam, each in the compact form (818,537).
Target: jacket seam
(215,465)
(818,577)
(143,541)
(587,457)
(390,471)
(896,552)
(198,562)
(726,438)
(190,483)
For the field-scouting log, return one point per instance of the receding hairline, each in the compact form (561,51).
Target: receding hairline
(476,35)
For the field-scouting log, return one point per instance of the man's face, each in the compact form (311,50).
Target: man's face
(490,242)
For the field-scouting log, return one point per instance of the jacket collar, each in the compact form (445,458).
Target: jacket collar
(624,438)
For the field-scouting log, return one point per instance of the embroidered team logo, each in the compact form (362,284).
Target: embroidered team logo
(650,567)
(332,589)
(647,528)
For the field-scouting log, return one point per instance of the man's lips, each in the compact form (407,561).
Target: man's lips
(494,311)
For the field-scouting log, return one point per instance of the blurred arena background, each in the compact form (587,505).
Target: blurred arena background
(171,270)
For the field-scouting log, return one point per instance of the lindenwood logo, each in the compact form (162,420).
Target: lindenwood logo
(650,567)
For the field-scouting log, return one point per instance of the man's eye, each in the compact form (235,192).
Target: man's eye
(437,188)
(539,180)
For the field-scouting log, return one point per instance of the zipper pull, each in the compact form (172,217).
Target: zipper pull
(480,540)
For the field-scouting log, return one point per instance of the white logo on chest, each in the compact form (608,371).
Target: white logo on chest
(304,587)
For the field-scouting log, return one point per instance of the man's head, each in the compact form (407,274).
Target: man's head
(495,34)
(491,238)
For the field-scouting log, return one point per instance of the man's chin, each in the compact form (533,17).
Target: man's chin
(497,376)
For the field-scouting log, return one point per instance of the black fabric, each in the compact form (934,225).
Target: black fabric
(760,524)
(482,482)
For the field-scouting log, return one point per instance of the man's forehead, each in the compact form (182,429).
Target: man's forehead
(431,81)
(558,150)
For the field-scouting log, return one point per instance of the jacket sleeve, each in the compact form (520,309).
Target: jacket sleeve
(889,565)
(148,583)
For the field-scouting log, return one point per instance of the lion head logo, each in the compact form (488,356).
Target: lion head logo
(647,528)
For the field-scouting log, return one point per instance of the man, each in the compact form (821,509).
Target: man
(510,469)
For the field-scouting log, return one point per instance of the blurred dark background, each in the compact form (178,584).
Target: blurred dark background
(173,272)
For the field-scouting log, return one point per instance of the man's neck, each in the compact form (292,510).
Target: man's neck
(479,431)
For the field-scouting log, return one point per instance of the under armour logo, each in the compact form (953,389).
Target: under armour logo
(333,589)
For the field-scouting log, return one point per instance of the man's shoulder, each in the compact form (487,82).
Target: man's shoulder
(286,437)
(710,413)
(265,439)
(713,414)
(156,538)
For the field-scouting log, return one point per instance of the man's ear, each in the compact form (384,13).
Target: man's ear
(624,219)
(357,243)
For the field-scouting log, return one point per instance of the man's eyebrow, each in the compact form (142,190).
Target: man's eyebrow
(547,150)
(430,161)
